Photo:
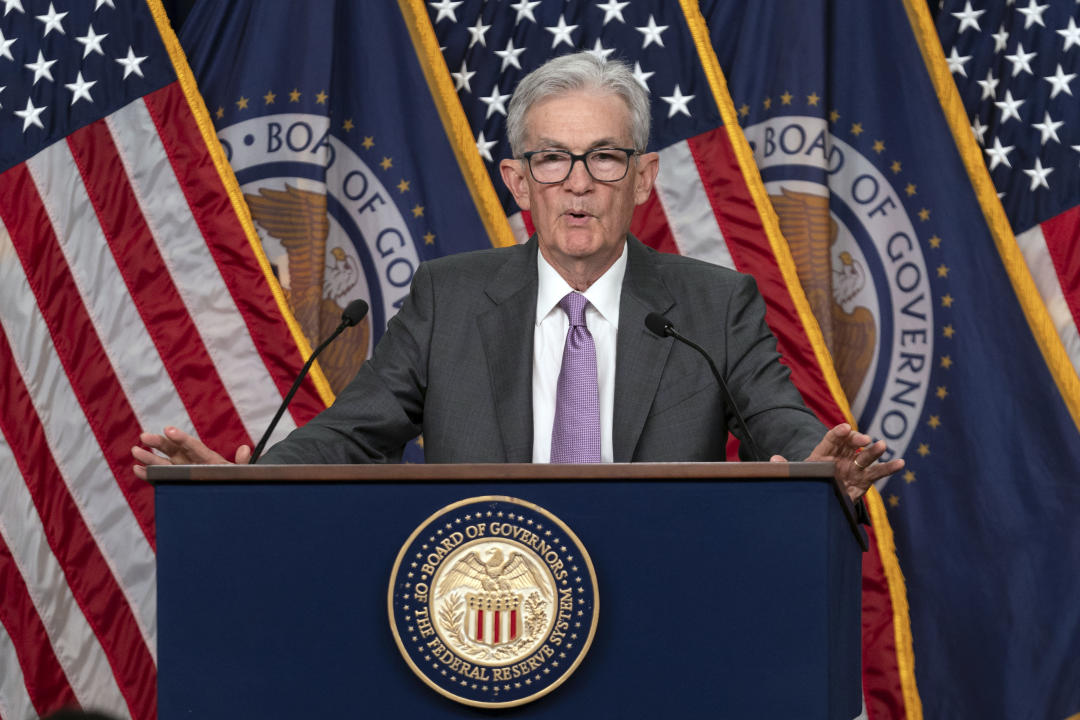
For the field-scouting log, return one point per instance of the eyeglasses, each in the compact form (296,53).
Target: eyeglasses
(607,164)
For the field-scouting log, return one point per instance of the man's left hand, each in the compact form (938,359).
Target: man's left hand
(857,466)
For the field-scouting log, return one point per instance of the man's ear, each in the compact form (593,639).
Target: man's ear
(647,166)
(513,174)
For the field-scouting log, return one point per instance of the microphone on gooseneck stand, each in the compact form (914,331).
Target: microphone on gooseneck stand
(660,325)
(353,314)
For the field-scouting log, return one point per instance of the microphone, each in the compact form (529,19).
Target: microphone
(660,325)
(353,314)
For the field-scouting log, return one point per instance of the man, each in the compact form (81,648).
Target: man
(540,353)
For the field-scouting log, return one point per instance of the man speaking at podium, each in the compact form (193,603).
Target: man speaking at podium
(540,352)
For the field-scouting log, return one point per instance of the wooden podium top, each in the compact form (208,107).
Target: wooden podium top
(512,472)
(505,472)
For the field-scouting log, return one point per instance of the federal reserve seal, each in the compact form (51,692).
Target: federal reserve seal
(860,235)
(493,601)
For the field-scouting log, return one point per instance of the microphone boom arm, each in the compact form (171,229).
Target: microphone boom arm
(661,326)
(353,314)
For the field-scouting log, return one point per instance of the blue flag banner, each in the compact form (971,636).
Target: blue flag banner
(342,152)
(941,341)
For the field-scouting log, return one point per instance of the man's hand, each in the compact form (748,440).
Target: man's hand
(857,466)
(179,448)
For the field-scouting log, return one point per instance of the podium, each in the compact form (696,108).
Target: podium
(727,590)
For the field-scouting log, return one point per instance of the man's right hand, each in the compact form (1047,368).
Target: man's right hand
(179,448)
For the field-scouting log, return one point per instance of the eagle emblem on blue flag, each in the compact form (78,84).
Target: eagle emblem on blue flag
(859,240)
(321,280)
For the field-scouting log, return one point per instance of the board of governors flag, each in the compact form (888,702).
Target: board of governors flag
(941,337)
(342,153)
(131,296)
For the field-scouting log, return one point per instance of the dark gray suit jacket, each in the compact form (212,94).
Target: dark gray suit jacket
(456,364)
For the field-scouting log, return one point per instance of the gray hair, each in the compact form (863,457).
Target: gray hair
(579,71)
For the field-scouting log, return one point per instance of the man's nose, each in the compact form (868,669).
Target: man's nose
(579,179)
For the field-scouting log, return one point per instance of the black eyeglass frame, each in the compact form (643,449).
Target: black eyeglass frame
(630,152)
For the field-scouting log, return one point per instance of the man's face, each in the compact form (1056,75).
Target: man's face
(581,223)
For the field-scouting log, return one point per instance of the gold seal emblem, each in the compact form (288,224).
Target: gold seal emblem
(493,601)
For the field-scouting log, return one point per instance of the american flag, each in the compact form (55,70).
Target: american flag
(131,296)
(707,203)
(1016,66)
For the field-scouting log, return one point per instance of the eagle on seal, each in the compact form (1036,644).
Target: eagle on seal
(810,231)
(297,218)
(498,574)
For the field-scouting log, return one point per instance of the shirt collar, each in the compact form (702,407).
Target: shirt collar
(604,294)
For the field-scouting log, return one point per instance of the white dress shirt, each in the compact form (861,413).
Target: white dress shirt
(549,338)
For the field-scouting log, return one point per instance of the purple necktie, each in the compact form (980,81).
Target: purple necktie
(575,436)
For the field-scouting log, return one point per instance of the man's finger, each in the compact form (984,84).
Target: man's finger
(189,450)
(158,442)
(146,457)
(859,440)
(869,454)
(181,441)
(887,468)
(838,433)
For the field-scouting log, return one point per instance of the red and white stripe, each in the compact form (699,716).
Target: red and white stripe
(1052,254)
(130,298)
(495,627)
(690,217)
(14,699)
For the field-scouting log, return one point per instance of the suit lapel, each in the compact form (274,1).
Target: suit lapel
(506,332)
(640,355)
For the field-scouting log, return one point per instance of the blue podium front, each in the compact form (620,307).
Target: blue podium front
(722,590)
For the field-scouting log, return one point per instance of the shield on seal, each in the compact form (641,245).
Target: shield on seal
(493,618)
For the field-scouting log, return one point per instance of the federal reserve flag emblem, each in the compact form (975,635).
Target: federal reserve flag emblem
(864,241)
(493,601)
